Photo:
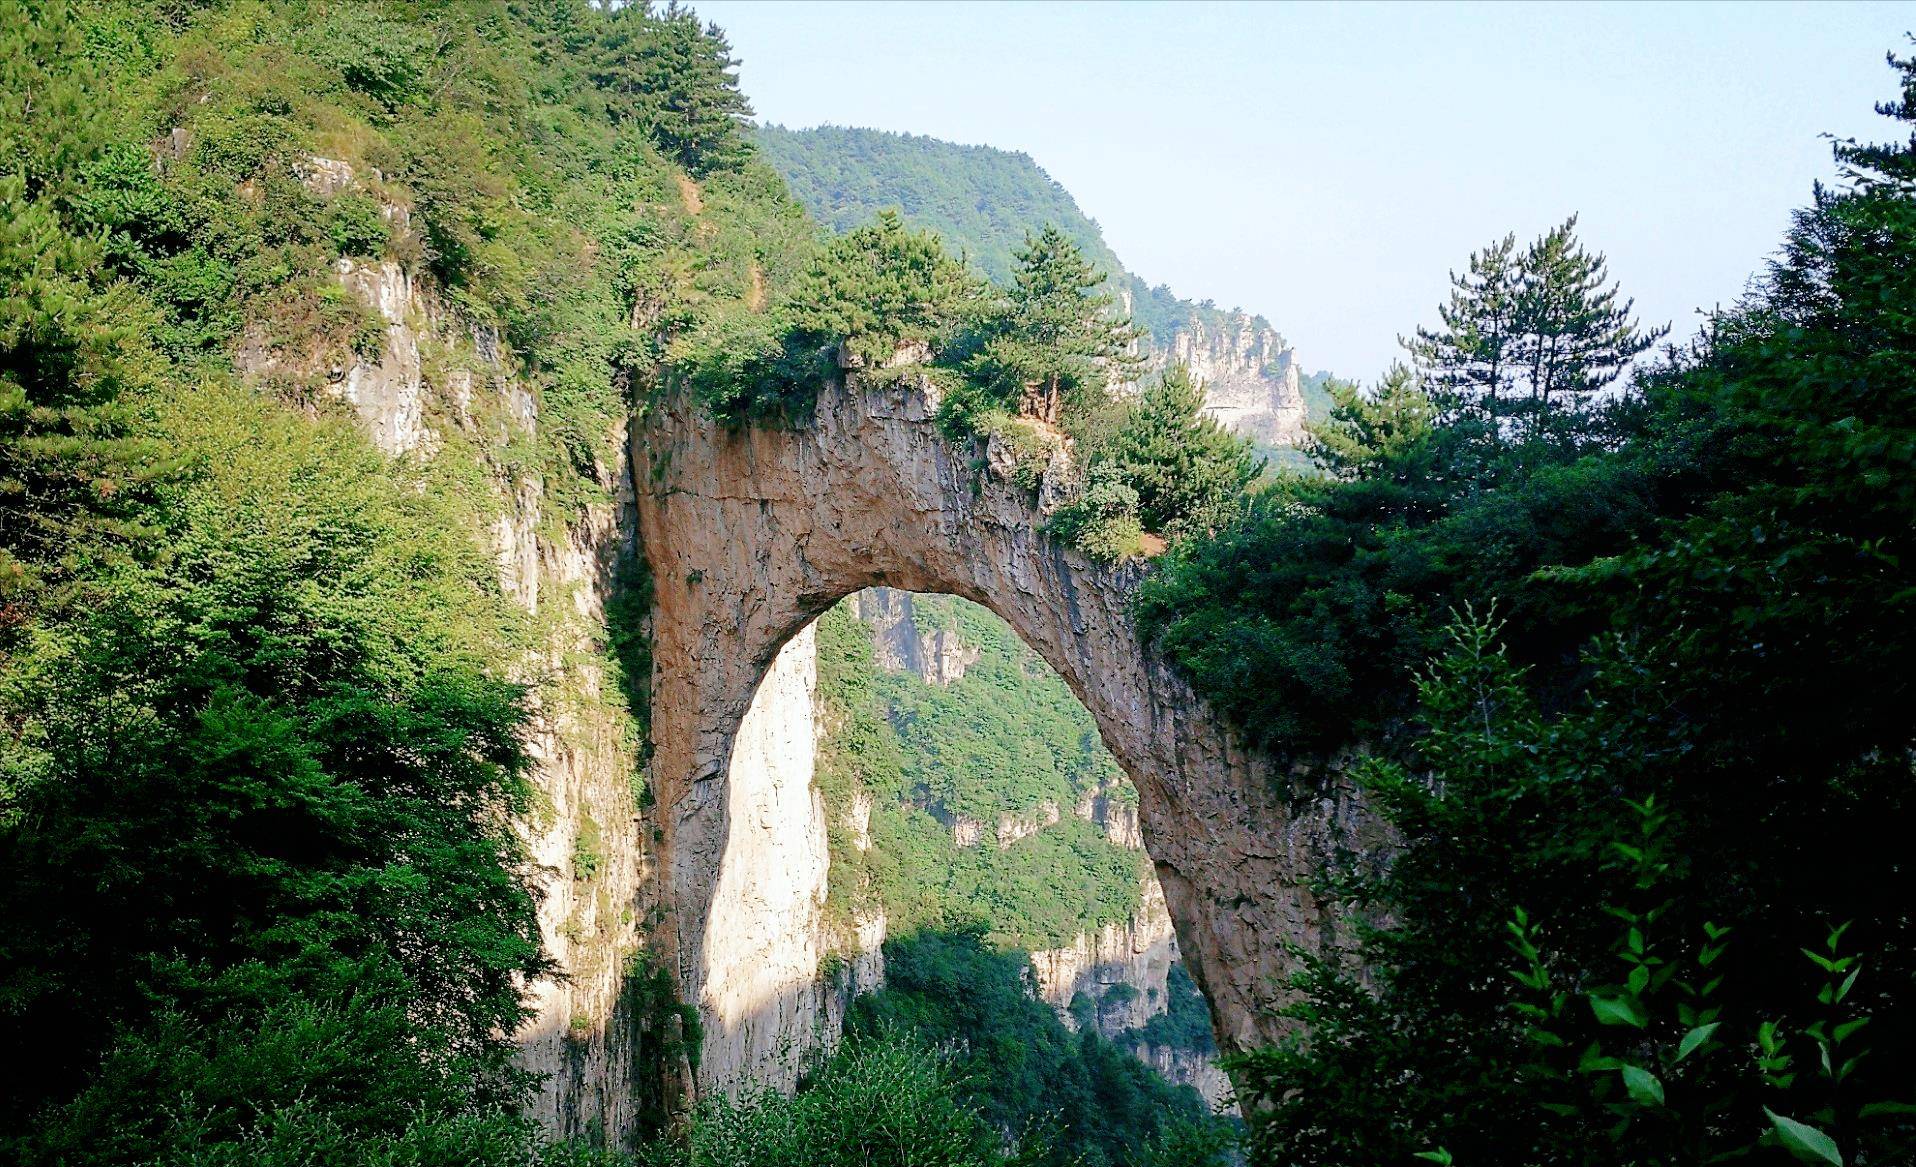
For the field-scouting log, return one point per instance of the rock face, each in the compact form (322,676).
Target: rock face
(1137,954)
(1193,1069)
(763,996)
(752,534)
(938,658)
(593,869)
(1250,378)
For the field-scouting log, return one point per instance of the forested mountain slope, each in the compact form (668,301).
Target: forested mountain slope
(320,326)
(983,202)
(966,787)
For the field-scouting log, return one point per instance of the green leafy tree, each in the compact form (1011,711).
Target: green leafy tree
(1473,357)
(676,81)
(1528,336)
(1619,848)
(74,470)
(881,287)
(1574,335)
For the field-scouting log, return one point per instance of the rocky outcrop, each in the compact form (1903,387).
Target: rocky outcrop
(1191,1068)
(763,997)
(939,657)
(1250,378)
(1012,827)
(754,533)
(1118,816)
(592,865)
(1121,970)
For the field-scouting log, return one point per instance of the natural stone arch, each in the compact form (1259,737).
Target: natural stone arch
(751,534)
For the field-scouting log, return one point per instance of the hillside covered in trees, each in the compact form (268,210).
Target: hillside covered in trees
(980,201)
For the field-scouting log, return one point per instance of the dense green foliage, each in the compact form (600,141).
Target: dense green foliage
(882,1100)
(261,760)
(1073,1097)
(866,296)
(886,1098)
(1031,365)
(1006,739)
(1053,338)
(1651,905)
(981,201)
(262,787)
(1185,1023)
(1186,471)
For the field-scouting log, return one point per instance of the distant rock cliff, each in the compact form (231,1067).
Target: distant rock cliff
(1249,374)
(1114,977)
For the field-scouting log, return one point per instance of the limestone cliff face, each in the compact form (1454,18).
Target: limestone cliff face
(593,870)
(1250,376)
(1193,1069)
(752,534)
(938,658)
(1118,816)
(1136,953)
(764,1000)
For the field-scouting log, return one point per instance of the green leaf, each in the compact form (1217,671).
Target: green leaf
(1695,1038)
(1804,1141)
(1643,1086)
(1848,984)
(1618,1011)
(1439,1156)
(1886,1109)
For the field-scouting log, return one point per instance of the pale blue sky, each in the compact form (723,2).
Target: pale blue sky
(1326,165)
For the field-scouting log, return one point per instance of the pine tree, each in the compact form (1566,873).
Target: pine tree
(1573,335)
(1185,467)
(1528,335)
(880,286)
(678,82)
(1471,360)
(1058,335)
(73,342)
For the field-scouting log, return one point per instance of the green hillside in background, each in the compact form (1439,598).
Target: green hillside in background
(979,199)
(1004,739)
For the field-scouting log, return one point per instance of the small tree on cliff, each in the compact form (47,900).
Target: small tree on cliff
(1185,467)
(881,286)
(1056,335)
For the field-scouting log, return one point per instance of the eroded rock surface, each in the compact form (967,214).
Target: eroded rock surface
(1137,953)
(754,533)
(591,863)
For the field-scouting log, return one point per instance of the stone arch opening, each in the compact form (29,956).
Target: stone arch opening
(752,534)
(794,931)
